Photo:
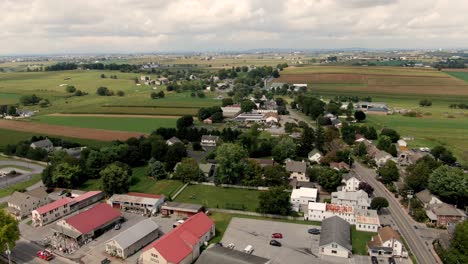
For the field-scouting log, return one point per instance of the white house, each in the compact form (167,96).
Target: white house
(351,182)
(367,220)
(297,170)
(402,143)
(387,243)
(315,155)
(302,196)
(335,238)
(381,158)
(209,140)
(359,199)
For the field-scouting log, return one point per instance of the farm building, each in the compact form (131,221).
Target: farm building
(182,244)
(373,108)
(138,202)
(51,212)
(181,209)
(133,239)
(21,204)
(231,110)
(335,238)
(88,224)
(218,254)
(44,144)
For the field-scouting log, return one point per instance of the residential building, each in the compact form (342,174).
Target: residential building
(427,198)
(162,81)
(271,117)
(387,243)
(321,211)
(51,212)
(21,204)
(335,238)
(402,143)
(367,220)
(336,123)
(209,140)
(133,239)
(173,140)
(358,199)
(350,182)
(441,214)
(44,144)
(207,170)
(231,110)
(181,209)
(315,155)
(142,203)
(88,224)
(297,170)
(339,166)
(302,196)
(182,244)
(217,254)
(381,157)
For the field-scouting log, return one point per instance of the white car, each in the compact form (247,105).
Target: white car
(248,249)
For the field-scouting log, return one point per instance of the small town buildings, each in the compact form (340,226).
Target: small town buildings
(367,220)
(162,81)
(339,166)
(231,110)
(315,155)
(181,209)
(387,243)
(427,198)
(218,254)
(335,238)
(173,140)
(51,212)
(133,239)
(44,144)
(142,203)
(321,211)
(253,117)
(88,224)
(358,199)
(276,85)
(209,141)
(350,182)
(297,170)
(441,214)
(381,157)
(21,204)
(182,244)
(302,196)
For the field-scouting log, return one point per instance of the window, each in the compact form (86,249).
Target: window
(334,252)
(154,255)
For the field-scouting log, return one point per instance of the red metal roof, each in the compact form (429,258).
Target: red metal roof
(178,244)
(86,196)
(93,218)
(49,207)
(147,195)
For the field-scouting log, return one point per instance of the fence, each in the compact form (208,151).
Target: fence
(255,214)
(260,188)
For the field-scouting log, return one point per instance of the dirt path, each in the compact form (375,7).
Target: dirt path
(116,115)
(67,131)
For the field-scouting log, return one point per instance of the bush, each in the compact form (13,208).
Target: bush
(120,93)
(70,89)
(425,102)
(104,91)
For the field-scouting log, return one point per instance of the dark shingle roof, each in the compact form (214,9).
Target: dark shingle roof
(219,254)
(43,143)
(296,166)
(337,230)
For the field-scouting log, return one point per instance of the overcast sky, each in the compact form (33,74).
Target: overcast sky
(83,26)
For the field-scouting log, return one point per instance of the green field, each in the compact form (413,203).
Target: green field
(9,98)
(218,197)
(459,75)
(359,240)
(133,124)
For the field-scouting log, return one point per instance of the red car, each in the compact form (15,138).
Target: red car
(277,235)
(45,254)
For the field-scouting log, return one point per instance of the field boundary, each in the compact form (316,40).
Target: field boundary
(151,106)
(115,115)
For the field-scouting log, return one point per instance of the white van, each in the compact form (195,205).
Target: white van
(248,249)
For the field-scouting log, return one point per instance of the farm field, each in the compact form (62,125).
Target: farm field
(9,98)
(127,123)
(218,197)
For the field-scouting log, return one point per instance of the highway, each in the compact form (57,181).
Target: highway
(405,223)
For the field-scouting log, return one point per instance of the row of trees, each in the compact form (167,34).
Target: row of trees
(104,91)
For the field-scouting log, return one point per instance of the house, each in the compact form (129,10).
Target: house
(51,212)
(367,220)
(207,169)
(339,166)
(315,155)
(302,196)
(182,244)
(335,238)
(402,143)
(231,110)
(271,117)
(142,203)
(162,81)
(88,224)
(387,243)
(209,141)
(358,199)
(173,140)
(44,144)
(441,214)
(181,209)
(381,158)
(208,121)
(427,198)
(336,123)
(276,85)
(297,170)
(351,182)
(144,78)
(218,254)
(133,239)
(321,211)
(21,204)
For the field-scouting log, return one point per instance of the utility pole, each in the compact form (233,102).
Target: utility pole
(8,253)
(409,195)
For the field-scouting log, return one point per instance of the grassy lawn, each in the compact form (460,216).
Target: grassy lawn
(19,186)
(133,124)
(218,197)
(459,75)
(359,240)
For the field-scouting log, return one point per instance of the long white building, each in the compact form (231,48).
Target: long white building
(359,199)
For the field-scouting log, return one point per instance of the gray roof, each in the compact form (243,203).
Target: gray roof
(43,143)
(424,196)
(209,137)
(187,207)
(382,154)
(314,151)
(444,209)
(296,166)
(219,254)
(174,140)
(19,198)
(337,230)
(336,122)
(350,175)
(135,233)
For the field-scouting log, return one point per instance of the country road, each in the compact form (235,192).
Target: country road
(405,223)
(5,182)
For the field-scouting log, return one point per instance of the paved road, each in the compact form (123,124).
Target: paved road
(405,223)
(9,180)
(25,252)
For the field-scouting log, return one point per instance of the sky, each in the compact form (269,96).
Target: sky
(128,26)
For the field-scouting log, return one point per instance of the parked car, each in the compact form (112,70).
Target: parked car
(277,235)
(248,249)
(176,224)
(45,254)
(314,231)
(391,261)
(374,260)
(275,243)
(117,226)
(415,227)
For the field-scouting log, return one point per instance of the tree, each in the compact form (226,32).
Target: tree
(46,176)
(274,201)
(70,89)
(389,172)
(319,138)
(156,169)
(159,149)
(217,117)
(443,154)
(458,251)
(285,148)
(348,134)
(391,133)
(120,93)
(392,150)
(419,172)
(328,178)
(9,231)
(44,103)
(227,101)
(366,187)
(174,154)
(66,175)
(253,174)
(359,115)
(30,99)
(384,142)
(103,76)
(360,150)
(379,203)
(103,91)
(248,106)
(425,102)
(115,178)
(450,184)
(11,110)
(275,74)
(187,170)
(231,161)
(184,122)
(370,133)
(275,175)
